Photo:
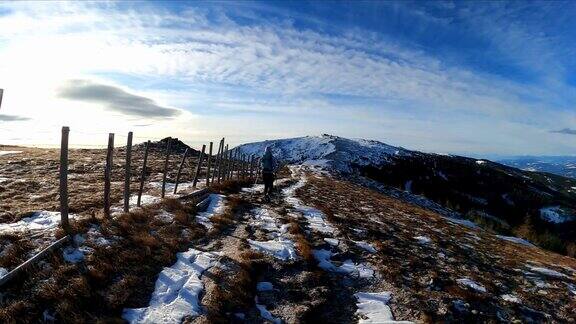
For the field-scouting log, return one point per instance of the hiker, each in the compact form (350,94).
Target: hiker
(268,164)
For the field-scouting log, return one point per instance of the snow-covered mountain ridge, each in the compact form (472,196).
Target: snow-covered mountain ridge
(327,151)
(537,206)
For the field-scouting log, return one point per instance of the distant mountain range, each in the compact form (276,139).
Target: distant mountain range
(537,206)
(560,165)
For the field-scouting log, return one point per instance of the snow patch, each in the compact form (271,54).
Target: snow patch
(373,307)
(467,282)
(3,272)
(39,221)
(314,217)
(215,206)
(423,239)
(547,272)
(571,288)
(95,237)
(177,290)
(144,200)
(463,222)
(279,248)
(511,298)
(9,152)
(332,241)
(554,214)
(347,267)
(365,245)
(515,240)
(72,255)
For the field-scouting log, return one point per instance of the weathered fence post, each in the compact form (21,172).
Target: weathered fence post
(217,162)
(238,163)
(225,164)
(127,175)
(252,166)
(232,163)
(64,180)
(209,164)
(108,174)
(1,94)
(199,166)
(240,166)
(221,160)
(143,175)
(228,162)
(180,170)
(169,141)
(245,163)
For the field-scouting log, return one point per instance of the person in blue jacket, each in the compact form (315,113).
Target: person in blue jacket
(268,170)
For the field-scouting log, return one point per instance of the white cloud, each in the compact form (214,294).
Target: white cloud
(281,68)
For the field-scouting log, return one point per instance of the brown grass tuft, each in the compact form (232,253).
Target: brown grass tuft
(231,186)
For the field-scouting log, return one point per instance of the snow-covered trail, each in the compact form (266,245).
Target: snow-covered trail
(372,307)
(178,289)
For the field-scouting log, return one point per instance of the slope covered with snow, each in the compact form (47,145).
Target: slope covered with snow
(326,151)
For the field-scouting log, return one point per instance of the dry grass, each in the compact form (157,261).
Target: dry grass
(410,269)
(33,183)
(231,290)
(231,186)
(111,278)
(302,245)
(234,206)
(15,249)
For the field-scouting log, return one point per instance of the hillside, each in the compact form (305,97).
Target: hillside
(536,206)
(560,165)
(323,250)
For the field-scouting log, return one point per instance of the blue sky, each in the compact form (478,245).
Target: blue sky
(473,78)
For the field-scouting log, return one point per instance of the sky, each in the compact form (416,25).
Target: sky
(473,78)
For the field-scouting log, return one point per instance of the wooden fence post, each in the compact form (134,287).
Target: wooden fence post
(247,166)
(233,159)
(199,166)
(143,175)
(239,168)
(169,140)
(225,164)
(252,166)
(209,156)
(180,170)
(232,163)
(108,174)
(239,163)
(127,175)
(221,160)
(64,180)
(228,164)
(217,162)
